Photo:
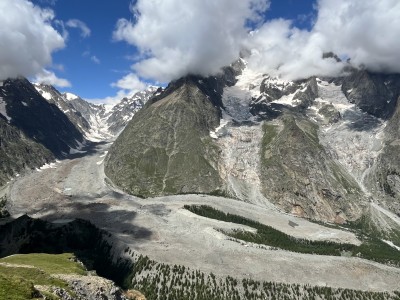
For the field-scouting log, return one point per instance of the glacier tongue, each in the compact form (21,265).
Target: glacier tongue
(240,162)
(239,137)
(356,139)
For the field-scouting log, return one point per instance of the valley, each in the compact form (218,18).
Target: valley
(199,150)
(161,229)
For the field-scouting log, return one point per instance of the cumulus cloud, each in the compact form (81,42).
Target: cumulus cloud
(176,37)
(27,38)
(127,87)
(130,82)
(48,77)
(366,32)
(74,23)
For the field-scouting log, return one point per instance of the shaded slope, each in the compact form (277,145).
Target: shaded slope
(39,120)
(299,176)
(166,148)
(384,177)
(53,96)
(18,153)
(32,130)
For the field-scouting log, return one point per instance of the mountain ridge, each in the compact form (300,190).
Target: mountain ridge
(322,182)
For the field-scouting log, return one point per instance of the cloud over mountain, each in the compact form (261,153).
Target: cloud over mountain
(177,38)
(366,32)
(27,38)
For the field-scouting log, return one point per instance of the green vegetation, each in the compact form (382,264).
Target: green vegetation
(161,281)
(270,132)
(16,288)
(19,274)
(372,248)
(270,236)
(166,149)
(50,263)
(3,210)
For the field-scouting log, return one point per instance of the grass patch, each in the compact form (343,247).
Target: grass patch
(49,263)
(372,248)
(16,288)
(17,282)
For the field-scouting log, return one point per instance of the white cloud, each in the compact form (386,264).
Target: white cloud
(112,100)
(74,23)
(127,85)
(27,38)
(48,77)
(130,82)
(94,59)
(182,37)
(176,38)
(365,31)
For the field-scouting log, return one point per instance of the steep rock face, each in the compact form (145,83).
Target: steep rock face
(375,94)
(308,94)
(39,120)
(302,94)
(298,174)
(17,152)
(32,131)
(384,177)
(166,148)
(52,95)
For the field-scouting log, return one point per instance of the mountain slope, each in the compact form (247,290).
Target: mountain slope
(17,152)
(52,95)
(309,147)
(33,131)
(166,148)
(39,120)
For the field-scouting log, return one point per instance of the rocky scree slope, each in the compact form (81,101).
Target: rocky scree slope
(33,131)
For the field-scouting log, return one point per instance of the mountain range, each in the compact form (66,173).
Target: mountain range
(320,148)
(38,124)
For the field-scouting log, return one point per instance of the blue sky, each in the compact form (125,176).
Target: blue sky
(92,80)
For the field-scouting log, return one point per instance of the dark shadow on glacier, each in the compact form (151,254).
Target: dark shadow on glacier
(360,121)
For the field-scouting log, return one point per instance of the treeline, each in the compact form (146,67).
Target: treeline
(159,281)
(372,248)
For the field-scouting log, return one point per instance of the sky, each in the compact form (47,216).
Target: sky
(103,50)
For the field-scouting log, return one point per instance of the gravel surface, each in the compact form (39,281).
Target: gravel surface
(163,230)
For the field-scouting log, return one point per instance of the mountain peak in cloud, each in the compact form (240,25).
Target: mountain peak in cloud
(177,38)
(199,37)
